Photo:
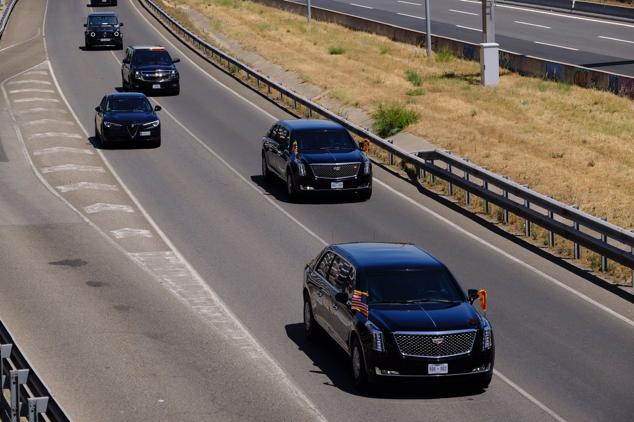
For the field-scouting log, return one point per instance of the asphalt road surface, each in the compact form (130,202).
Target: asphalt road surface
(111,339)
(596,43)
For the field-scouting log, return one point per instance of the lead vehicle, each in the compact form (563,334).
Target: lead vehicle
(398,312)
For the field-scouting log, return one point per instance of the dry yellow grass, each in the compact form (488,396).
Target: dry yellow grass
(574,144)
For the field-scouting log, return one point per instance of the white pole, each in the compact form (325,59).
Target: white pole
(308,11)
(428,31)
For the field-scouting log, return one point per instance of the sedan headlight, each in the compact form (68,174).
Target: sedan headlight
(151,125)
(487,338)
(173,73)
(111,124)
(378,342)
(301,168)
(366,167)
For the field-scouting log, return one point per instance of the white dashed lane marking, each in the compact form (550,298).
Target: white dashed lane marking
(70,150)
(72,167)
(29,81)
(556,46)
(616,39)
(128,232)
(101,206)
(23,90)
(463,12)
(411,16)
(36,99)
(87,186)
(532,24)
(55,135)
(469,28)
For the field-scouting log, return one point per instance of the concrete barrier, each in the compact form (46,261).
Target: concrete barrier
(524,65)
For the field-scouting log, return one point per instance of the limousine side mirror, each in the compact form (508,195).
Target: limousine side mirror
(85,25)
(157,108)
(98,109)
(473,295)
(341,297)
(176,61)
(125,61)
(120,23)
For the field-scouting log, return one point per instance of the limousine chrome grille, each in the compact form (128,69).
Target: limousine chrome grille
(335,171)
(435,344)
(158,76)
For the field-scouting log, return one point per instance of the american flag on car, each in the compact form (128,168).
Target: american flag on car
(358,302)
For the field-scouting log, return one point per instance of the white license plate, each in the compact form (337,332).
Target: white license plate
(104,39)
(145,133)
(156,86)
(336,185)
(436,369)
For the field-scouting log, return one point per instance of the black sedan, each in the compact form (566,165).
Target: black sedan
(103,29)
(127,118)
(94,3)
(399,313)
(315,155)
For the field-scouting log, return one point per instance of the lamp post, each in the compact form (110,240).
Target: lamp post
(489,49)
(428,31)
(308,12)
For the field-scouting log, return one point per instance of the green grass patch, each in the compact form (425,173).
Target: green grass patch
(335,51)
(413,77)
(444,55)
(384,50)
(390,119)
(416,92)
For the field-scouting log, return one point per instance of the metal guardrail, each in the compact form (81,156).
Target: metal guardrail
(610,241)
(28,395)
(581,7)
(5,16)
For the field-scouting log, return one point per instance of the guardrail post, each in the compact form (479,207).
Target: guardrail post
(485,205)
(5,352)
(505,212)
(604,259)
(310,113)
(433,176)
(632,275)
(551,234)
(467,194)
(18,377)
(527,223)
(576,249)
(450,185)
(390,155)
(37,405)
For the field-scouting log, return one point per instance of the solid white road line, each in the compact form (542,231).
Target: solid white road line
(73,167)
(127,232)
(469,28)
(102,206)
(70,150)
(532,24)
(616,39)
(556,46)
(409,2)
(361,5)
(411,16)
(87,186)
(464,13)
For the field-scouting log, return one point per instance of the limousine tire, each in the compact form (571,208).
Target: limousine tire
(310,325)
(359,374)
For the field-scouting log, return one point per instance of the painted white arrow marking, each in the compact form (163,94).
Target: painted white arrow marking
(35,99)
(53,150)
(101,206)
(29,81)
(55,135)
(128,232)
(19,91)
(46,121)
(72,167)
(86,186)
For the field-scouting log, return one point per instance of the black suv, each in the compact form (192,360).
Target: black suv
(127,117)
(315,155)
(94,3)
(398,312)
(149,69)
(103,29)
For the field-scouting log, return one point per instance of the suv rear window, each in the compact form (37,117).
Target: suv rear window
(324,140)
(152,57)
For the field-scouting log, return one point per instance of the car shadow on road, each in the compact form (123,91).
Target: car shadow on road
(277,189)
(329,359)
(96,145)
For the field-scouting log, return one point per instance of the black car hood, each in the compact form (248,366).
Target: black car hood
(129,117)
(429,316)
(155,67)
(333,156)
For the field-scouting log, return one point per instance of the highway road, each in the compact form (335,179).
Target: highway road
(596,43)
(134,344)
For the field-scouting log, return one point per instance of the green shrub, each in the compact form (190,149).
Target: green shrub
(384,50)
(444,55)
(336,50)
(416,92)
(389,119)
(413,77)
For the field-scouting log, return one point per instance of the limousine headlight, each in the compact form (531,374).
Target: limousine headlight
(378,342)
(486,335)
(366,167)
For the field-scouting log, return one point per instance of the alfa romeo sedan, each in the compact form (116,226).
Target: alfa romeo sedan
(127,118)
(399,313)
(315,155)
(103,29)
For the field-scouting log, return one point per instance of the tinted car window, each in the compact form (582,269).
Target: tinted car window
(128,104)
(319,140)
(102,20)
(341,274)
(324,264)
(401,285)
(152,57)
